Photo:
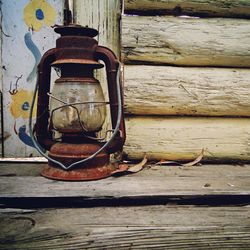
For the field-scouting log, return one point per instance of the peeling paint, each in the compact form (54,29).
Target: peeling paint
(27,33)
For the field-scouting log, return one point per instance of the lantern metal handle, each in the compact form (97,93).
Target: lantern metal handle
(116,129)
(43,87)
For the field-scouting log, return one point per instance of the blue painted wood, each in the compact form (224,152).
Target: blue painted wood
(26,35)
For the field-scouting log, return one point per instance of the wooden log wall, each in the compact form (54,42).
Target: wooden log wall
(186,79)
(201,8)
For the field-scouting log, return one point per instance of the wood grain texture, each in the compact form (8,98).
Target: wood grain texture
(203,8)
(158,182)
(166,90)
(1,90)
(223,139)
(1,113)
(21,169)
(238,171)
(186,41)
(151,227)
(103,15)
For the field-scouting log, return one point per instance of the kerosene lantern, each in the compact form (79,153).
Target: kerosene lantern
(76,108)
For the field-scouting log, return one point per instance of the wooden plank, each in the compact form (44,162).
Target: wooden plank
(164,90)
(1,87)
(209,170)
(9,169)
(180,139)
(159,183)
(23,43)
(23,159)
(186,41)
(200,171)
(103,15)
(203,8)
(1,119)
(150,227)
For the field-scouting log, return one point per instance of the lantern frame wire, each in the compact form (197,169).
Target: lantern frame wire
(115,130)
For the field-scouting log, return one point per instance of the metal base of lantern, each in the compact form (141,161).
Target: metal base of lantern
(83,174)
(95,169)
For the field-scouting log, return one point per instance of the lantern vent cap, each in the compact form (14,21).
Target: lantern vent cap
(76,30)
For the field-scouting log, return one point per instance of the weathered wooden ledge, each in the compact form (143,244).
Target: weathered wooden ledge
(22,186)
(56,215)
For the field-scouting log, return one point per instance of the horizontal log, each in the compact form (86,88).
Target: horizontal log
(186,41)
(202,8)
(147,227)
(180,139)
(166,90)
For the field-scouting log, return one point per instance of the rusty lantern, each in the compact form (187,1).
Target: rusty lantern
(75,109)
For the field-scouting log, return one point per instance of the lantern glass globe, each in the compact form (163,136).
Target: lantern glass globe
(81,107)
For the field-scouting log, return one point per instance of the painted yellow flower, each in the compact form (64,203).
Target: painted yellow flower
(21,103)
(38,13)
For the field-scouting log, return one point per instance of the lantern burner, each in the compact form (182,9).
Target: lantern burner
(67,153)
